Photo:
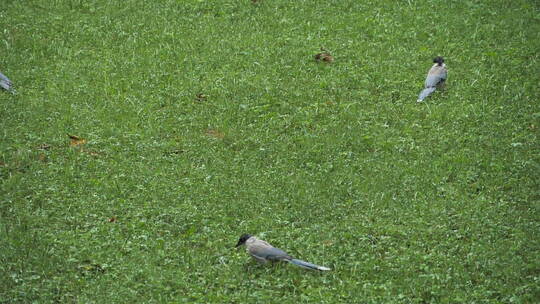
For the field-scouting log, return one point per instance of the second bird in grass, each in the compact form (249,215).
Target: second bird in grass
(436,78)
(264,252)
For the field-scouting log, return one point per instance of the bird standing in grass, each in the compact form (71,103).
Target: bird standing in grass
(435,79)
(6,83)
(264,252)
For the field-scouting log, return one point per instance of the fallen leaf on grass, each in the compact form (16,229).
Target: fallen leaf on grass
(90,268)
(44,147)
(174,152)
(42,157)
(324,57)
(201,97)
(76,140)
(328,242)
(215,133)
(92,153)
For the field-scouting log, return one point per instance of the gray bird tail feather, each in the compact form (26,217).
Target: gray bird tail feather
(6,84)
(425,93)
(307,265)
(8,88)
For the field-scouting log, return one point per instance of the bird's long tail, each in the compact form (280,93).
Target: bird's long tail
(425,93)
(307,265)
(6,84)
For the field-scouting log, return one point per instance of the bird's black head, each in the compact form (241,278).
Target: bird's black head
(438,60)
(243,239)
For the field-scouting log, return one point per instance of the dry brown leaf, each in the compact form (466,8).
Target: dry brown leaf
(215,133)
(42,157)
(201,97)
(328,242)
(328,58)
(92,153)
(76,140)
(324,57)
(174,152)
(44,147)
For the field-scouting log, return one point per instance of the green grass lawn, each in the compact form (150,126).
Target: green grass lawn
(336,163)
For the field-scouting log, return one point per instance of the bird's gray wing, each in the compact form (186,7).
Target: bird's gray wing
(436,75)
(263,250)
